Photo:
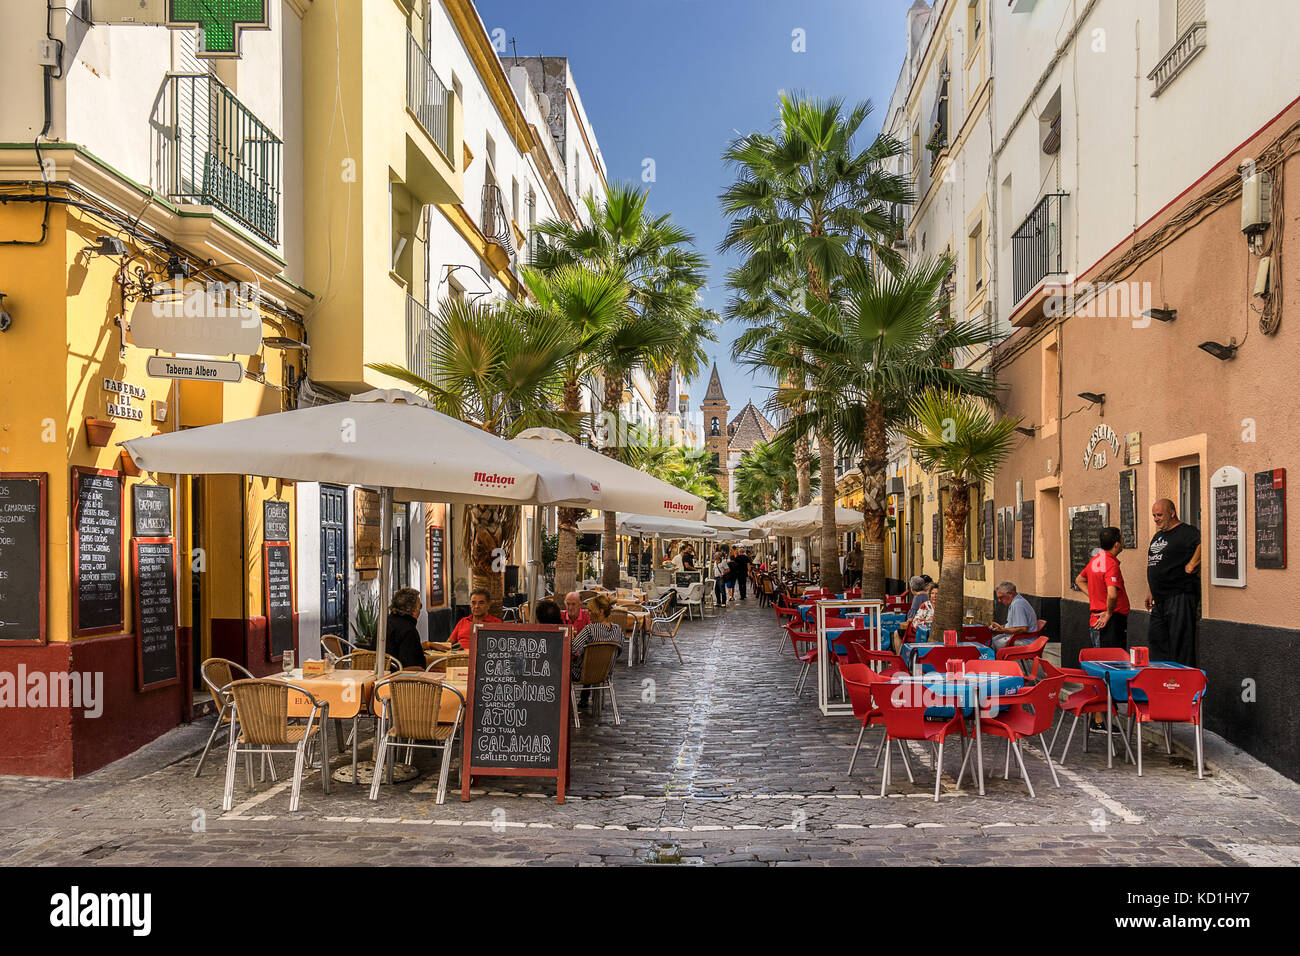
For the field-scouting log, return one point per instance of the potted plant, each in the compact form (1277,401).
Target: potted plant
(98,432)
(366,627)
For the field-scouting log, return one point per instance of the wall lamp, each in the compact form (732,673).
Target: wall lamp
(1026,430)
(1161,315)
(1097,398)
(285,343)
(107,246)
(1221,352)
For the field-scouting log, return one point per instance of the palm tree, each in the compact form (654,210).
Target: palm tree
(807,197)
(695,326)
(502,374)
(652,257)
(959,437)
(869,353)
(682,468)
(760,476)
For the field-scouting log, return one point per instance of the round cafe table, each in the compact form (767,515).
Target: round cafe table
(1116,675)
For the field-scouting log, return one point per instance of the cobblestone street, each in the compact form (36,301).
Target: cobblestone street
(716,762)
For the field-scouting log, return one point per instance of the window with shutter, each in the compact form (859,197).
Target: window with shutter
(1189,12)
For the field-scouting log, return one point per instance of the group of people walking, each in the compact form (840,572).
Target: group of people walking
(730,572)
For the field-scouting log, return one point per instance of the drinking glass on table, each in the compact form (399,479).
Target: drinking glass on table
(287,662)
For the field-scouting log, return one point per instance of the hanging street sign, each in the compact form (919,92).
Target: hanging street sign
(202,370)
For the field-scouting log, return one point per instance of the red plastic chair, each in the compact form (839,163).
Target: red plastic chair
(980,666)
(893,664)
(858,679)
(1022,653)
(783,611)
(842,646)
(939,657)
(1029,712)
(976,634)
(808,655)
(1174,696)
(903,707)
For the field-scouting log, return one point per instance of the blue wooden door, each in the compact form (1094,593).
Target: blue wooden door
(333,561)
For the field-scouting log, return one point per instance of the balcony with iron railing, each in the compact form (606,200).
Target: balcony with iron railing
(1185,49)
(216,152)
(496,227)
(428,98)
(1036,247)
(421,326)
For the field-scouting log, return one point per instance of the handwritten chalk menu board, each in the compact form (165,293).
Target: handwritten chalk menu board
(684,579)
(22,557)
(275,520)
(1128,508)
(154,578)
(365,529)
(97,551)
(1002,534)
(151,511)
(1027,530)
(1228,503)
(936,537)
(518,704)
(1270,519)
(433,550)
(278,577)
(989,530)
(1086,522)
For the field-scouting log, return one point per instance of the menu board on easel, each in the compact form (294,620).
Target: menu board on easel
(517,705)
(1270,519)
(153,564)
(97,500)
(1228,507)
(277,564)
(22,557)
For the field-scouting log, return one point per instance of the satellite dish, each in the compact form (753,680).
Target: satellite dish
(544,102)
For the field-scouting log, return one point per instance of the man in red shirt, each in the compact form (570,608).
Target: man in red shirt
(575,615)
(1102,579)
(479,601)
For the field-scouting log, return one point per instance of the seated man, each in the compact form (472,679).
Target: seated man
(548,612)
(574,614)
(479,601)
(1021,617)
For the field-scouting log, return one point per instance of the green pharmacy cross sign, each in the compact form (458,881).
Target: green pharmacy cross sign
(220,22)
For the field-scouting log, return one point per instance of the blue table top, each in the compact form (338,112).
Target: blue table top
(912,651)
(1118,673)
(964,690)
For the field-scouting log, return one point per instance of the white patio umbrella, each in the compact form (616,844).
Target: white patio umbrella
(622,487)
(724,522)
(388,438)
(762,520)
(651,526)
(808,520)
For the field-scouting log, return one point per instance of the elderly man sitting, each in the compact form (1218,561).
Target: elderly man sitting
(575,615)
(1021,616)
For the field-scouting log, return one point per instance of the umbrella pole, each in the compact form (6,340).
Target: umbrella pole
(385,576)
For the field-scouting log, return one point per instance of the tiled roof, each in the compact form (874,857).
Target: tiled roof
(749,428)
(714,393)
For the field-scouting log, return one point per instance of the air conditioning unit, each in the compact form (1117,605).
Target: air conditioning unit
(894,486)
(145,12)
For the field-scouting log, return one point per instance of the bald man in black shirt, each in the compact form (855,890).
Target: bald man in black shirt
(1174,580)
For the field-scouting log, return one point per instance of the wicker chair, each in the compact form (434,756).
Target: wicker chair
(260,712)
(335,646)
(365,661)
(665,628)
(410,716)
(596,672)
(440,664)
(217,673)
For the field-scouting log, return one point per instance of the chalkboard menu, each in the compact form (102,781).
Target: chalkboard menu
(1085,531)
(433,550)
(275,520)
(634,564)
(151,511)
(936,537)
(365,530)
(278,574)
(97,551)
(1002,534)
(154,564)
(684,579)
(1270,519)
(1227,532)
(990,530)
(22,557)
(518,704)
(1128,508)
(1027,530)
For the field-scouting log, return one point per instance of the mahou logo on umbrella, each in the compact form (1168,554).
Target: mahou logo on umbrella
(678,506)
(493,480)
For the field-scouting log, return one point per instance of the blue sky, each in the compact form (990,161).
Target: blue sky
(673,80)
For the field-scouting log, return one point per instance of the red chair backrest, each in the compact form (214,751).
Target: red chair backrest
(939,657)
(1032,649)
(860,654)
(1044,697)
(902,706)
(840,622)
(1010,668)
(1173,693)
(840,645)
(798,637)
(858,679)
(1103,654)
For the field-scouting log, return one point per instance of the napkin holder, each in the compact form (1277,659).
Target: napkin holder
(458,675)
(950,638)
(313,669)
(1141,656)
(956,667)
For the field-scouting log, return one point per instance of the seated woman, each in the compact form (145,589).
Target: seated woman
(403,639)
(600,629)
(548,612)
(924,616)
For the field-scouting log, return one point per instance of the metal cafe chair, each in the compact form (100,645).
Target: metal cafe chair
(260,724)
(217,673)
(335,646)
(409,712)
(596,673)
(665,628)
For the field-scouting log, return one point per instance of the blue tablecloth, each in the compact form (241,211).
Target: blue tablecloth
(912,651)
(963,690)
(1118,673)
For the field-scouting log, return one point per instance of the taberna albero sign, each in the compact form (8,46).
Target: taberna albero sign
(199,370)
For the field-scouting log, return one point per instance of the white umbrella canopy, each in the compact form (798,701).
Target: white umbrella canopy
(622,487)
(724,522)
(808,520)
(651,525)
(386,437)
(762,520)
